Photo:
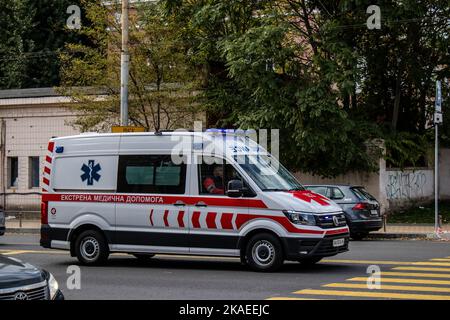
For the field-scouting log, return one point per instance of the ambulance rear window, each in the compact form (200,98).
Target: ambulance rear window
(150,174)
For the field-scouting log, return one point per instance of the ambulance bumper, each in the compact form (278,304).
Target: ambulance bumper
(49,234)
(296,248)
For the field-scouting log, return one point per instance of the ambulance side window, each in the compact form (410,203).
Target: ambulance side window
(214,177)
(150,174)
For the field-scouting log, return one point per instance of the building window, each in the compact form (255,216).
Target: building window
(33,174)
(13,172)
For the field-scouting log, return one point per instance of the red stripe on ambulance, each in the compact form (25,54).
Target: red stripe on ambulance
(166,222)
(51,146)
(151,217)
(180,219)
(211,220)
(146,199)
(196,219)
(225,221)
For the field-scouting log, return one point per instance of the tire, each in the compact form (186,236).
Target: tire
(143,256)
(358,236)
(91,248)
(309,261)
(264,253)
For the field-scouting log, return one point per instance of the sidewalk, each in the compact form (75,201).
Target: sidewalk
(410,231)
(393,230)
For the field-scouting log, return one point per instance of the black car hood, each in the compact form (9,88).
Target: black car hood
(14,273)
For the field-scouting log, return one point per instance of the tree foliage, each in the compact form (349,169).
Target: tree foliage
(314,70)
(32,34)
(161,84)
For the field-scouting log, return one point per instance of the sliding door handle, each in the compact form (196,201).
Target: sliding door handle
(200,204)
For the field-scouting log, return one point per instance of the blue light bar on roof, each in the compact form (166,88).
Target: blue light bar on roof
(232,131)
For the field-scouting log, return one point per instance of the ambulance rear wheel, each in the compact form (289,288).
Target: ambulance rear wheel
(264,253)
(91,248)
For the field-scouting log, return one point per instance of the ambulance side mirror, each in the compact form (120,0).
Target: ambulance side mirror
(235,188)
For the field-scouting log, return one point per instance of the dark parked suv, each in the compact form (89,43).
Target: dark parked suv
(362,210)
(22,281)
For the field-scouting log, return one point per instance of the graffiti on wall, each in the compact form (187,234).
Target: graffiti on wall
(406,185)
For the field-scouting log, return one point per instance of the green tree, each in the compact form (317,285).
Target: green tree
(314,69)
(15,21)
(161,82)
(32,34)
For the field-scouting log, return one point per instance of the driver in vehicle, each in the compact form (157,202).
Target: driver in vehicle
(214,184)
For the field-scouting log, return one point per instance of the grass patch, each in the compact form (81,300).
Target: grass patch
(421,214)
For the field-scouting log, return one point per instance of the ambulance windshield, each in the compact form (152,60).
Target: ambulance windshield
(268,173)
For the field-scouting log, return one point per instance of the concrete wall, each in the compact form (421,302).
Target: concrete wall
(408,186)
(444,173)
(395,188)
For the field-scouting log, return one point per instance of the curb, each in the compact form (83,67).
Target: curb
(388,236)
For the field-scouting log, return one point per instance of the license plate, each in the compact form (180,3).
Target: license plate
(338,242)
(374,212)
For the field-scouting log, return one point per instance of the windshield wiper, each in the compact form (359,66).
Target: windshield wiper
(297,189)
(274,189)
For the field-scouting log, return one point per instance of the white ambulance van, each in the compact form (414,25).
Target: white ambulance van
(187,193)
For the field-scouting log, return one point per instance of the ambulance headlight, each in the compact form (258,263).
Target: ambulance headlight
(297,217)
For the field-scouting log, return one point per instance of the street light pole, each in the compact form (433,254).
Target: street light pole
(124,66)
(436,177)
(437,120)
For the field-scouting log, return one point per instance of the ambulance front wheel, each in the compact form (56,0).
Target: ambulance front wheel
(264,252)
(91,248)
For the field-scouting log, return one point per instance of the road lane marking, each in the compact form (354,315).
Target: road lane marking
(414,274)
(440,259)
(13,252)
(17,252)
(369,262)
(388,262)
(422,269)
(365,294)
(388,287)
(403,280)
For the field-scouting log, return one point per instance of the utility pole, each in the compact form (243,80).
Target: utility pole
(124,66)
(437,121)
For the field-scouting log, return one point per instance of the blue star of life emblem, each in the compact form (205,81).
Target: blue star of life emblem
(90,172)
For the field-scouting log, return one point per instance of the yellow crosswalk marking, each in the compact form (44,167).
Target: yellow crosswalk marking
(368,261)
(13,252)
(388,287)
(370,294)
(415,274)
(403,280)
(440,259)
(17,252)
(390,262)
(422,269)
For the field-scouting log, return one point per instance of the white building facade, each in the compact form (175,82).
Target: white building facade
(28,119)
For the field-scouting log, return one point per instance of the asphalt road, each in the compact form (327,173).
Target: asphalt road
(182,277)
